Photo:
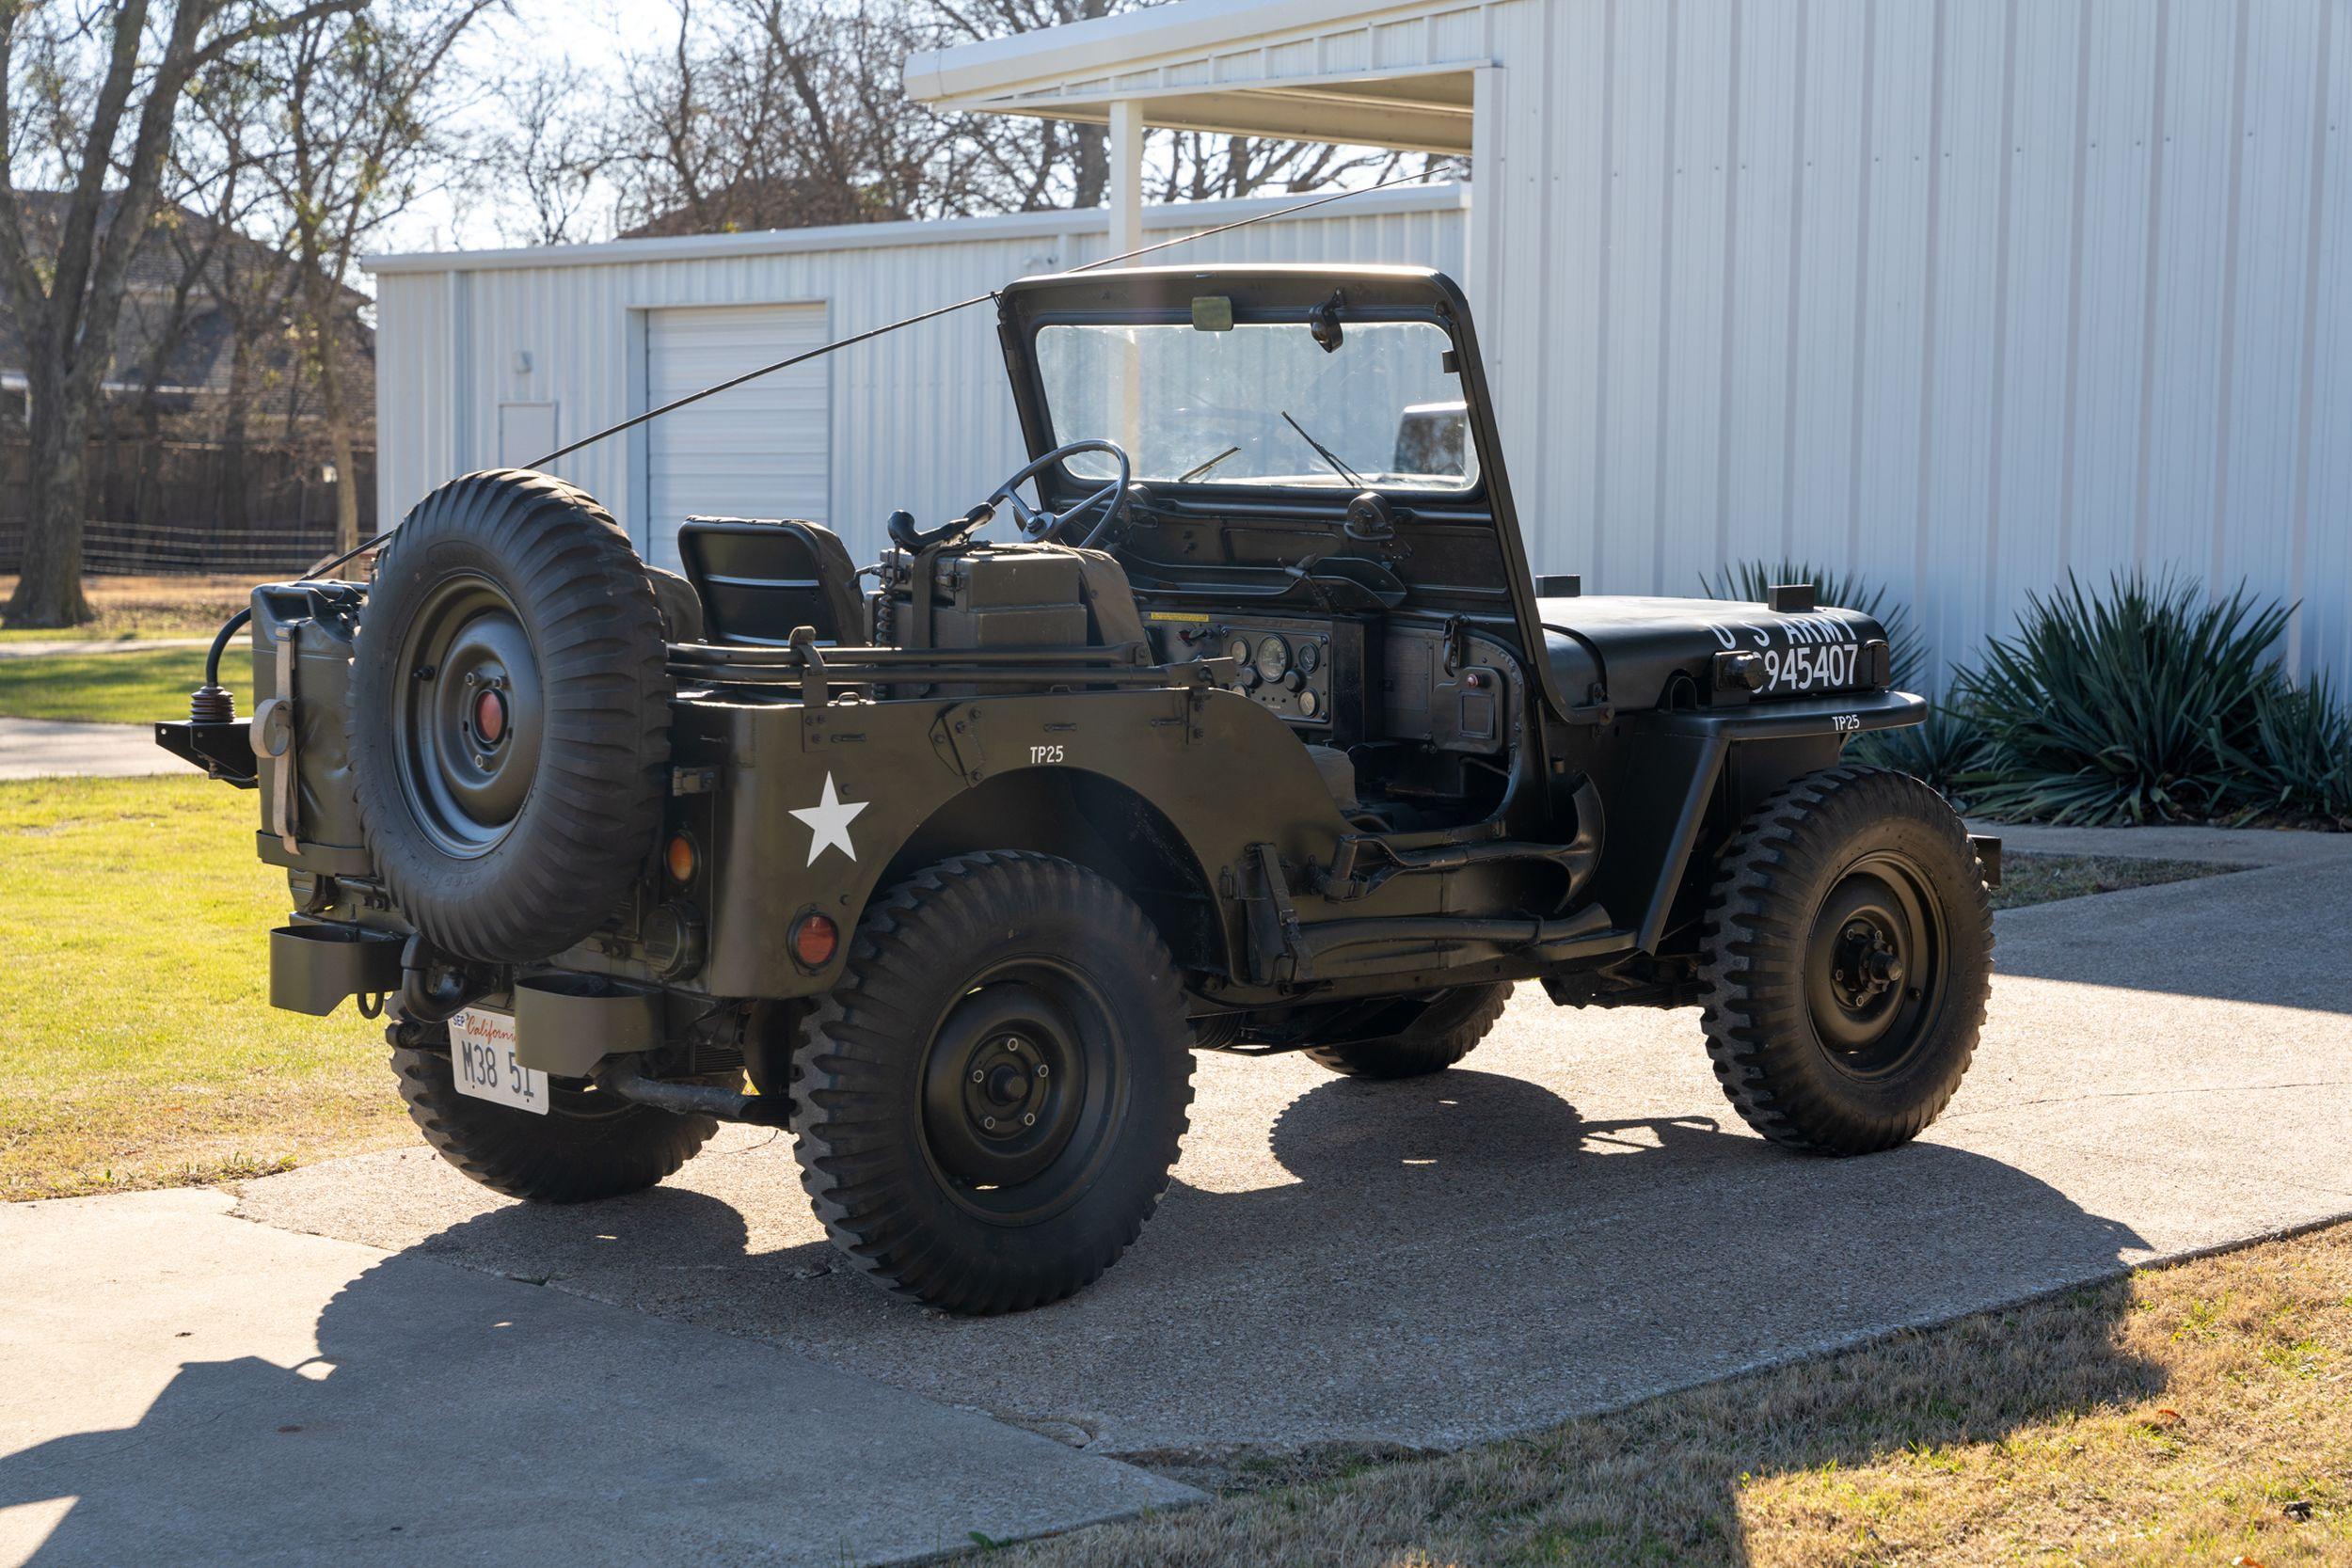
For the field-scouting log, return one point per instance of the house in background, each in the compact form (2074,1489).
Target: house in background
(213,456)
(205,334)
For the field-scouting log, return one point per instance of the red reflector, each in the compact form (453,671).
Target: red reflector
(814,940)
(681,858)
(489,716)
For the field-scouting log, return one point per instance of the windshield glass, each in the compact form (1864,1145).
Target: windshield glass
(1262,404)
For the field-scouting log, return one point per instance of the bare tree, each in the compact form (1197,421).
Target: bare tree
(554,149)
(92,95)
(362,106)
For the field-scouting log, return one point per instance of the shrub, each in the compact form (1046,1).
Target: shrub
(2147,703)
(1944,753)
(2303,751)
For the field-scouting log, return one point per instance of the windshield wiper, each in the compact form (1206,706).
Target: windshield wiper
(1326,453)
(1198,469)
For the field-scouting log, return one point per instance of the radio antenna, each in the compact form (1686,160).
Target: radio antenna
(871,333)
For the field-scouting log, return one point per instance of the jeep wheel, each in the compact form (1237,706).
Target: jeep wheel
(510,716)
(1848,950)
(589,1145)
(1445,1033)
(988,1105)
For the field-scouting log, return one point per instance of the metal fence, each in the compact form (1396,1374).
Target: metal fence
(173,507)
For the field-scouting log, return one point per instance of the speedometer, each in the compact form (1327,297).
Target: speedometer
(1274,658)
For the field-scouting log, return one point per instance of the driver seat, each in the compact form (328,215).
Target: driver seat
(761,578)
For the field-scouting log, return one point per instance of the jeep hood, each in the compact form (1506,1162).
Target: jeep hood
(1623,650)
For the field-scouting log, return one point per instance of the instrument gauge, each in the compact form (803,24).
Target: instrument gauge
(1274,658)
(1238,650)
(1310,656)
(1308,704)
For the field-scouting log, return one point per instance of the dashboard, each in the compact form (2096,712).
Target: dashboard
(1308,671)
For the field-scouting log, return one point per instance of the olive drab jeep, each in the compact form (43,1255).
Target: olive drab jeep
(1233,721)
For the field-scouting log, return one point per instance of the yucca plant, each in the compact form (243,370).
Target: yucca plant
(2303,751)
(1749,581)
(1940,752)
(2141,704)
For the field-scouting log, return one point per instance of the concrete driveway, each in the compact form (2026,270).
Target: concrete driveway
(40,748)
(1575,1221)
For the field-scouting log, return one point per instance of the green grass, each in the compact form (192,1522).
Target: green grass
(137,1047)
(124,689)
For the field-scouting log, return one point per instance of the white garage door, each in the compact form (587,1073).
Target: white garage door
(762,450)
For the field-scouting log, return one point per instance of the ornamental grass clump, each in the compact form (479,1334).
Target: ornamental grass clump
(2151,703)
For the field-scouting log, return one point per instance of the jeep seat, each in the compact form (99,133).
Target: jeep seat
(760,578)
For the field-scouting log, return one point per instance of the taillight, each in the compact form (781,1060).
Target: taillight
(814,939)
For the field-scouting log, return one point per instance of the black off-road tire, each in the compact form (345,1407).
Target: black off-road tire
(590,1143)
(960,983)
(517,846)
(1440,1036)
(1841,879)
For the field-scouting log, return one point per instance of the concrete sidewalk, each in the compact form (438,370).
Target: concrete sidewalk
(185,1387)
(42,748)
(46,647)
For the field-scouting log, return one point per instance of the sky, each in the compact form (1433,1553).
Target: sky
(594,34)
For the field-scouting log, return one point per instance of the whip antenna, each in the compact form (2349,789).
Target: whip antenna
(871,333)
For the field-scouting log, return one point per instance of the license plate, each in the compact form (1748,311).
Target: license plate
(482,1059)
(1813,667)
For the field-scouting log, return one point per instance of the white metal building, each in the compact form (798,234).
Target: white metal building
(1966,295)
(489,357)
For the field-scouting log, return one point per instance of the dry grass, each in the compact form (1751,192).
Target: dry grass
(2196,1414)
(2043,878)
(137,1047)
(147,606)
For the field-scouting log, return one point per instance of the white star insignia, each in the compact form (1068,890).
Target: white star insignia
(828,822)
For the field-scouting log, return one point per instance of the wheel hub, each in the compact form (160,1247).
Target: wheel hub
(1873,963)
(470,716)
(1004,1087)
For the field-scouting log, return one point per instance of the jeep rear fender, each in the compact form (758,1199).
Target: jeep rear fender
(1139,782)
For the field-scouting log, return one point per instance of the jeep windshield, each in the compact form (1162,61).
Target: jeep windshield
(1262,404)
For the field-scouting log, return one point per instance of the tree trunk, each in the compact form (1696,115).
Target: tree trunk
(336,416)
(1090,165)
(49,591)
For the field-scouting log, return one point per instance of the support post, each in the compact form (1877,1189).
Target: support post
(1126,176)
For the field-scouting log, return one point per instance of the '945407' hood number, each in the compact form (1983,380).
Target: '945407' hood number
(1808,667)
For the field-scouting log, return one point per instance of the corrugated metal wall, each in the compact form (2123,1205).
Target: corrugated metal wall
(920,418)
(1965,294)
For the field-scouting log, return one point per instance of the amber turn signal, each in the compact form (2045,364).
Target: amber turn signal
(682,859)
(814,940)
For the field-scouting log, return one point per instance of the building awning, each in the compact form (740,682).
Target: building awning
(1341,70)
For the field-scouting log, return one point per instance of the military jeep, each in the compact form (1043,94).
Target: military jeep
(1233,721)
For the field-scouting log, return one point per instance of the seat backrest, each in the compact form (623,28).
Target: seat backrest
(760,578)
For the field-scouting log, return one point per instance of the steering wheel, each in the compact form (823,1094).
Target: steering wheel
(1035,522)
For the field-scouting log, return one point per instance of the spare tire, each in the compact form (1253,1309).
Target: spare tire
(510,726)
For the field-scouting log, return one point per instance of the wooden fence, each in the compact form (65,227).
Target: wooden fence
(173,507)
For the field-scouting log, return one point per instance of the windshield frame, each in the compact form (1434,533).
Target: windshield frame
(1431,499)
